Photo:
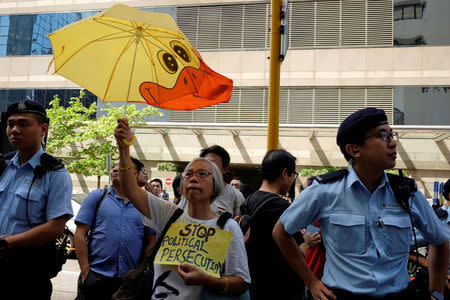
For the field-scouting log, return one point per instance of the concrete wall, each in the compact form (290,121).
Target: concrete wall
(424,158)
(361,67)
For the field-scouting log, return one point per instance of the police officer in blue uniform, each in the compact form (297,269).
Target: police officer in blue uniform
(35,203)
(365,229)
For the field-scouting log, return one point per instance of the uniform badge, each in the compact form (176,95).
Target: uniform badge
(21,106)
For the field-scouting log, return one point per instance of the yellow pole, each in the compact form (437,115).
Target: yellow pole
(274,79)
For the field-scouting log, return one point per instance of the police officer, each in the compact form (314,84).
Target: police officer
(365,230)
(35,203)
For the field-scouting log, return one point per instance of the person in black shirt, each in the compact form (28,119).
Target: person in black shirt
(272,276)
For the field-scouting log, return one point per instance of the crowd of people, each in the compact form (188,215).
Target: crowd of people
(346,236)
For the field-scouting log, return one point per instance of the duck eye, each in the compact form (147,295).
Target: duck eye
(180,50)
(168,62)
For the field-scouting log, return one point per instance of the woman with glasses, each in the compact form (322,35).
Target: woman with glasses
(201,182)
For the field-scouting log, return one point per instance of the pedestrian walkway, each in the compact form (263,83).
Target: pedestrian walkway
(65,284)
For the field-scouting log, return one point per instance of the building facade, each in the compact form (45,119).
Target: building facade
(343,55)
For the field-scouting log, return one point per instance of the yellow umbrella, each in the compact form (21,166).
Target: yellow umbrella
(125,54)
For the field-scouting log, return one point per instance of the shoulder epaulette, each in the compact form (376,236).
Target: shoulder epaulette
(331,176)
(51,163)
(4,159)
(48,163)
(7,156)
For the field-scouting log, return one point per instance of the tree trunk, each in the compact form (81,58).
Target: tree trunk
(98,181)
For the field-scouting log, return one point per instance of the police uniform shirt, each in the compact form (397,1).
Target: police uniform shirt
(50,196)
(366,236)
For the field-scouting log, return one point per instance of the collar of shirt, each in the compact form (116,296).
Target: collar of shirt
(353,177)
(117,196)
(34,161)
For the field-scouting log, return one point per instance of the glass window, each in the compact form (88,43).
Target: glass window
(409,12)
(398,13)
(44,97)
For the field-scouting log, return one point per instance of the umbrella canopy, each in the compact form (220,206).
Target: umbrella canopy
(125,54)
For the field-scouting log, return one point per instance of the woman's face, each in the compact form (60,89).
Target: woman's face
(198,182)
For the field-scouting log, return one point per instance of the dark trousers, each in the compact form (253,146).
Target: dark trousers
(24,278)
(97,287)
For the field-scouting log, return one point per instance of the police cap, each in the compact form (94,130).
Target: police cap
(27,106)
(353,129)
(446,190)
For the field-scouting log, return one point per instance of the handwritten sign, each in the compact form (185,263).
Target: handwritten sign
(196,244)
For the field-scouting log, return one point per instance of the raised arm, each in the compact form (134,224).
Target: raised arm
(128,181)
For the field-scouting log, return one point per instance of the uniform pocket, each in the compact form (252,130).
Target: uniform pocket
(19,209)
(398,232)
(347,232)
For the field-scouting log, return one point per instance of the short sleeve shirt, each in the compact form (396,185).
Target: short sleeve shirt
(168,284)
(366,235)
(49,197)
(117,233)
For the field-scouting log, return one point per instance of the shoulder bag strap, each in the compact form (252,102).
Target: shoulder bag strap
(105,190)
(151,256)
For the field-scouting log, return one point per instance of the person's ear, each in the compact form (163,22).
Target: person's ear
(353,150)
(44,129)
(225,169)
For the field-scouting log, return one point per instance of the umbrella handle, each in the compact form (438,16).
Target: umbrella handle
(131,142)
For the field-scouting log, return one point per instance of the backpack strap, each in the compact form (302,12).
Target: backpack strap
(331,176)
(403,189)
(48,163)
(223,218)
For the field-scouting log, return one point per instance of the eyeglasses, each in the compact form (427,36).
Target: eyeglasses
(296,175)
(200,174)
(385,136)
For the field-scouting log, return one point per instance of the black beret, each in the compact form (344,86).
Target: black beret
(26,106)
(446,190)
(353,129)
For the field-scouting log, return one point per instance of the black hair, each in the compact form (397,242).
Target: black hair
(446,190)
(157,180)
(137,163)
(246,190)
(218,150)
(274,162)
(175,185)
(41,119)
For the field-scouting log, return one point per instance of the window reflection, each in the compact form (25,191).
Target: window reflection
(44,97)
(421,22)
(422,105)
(26,34)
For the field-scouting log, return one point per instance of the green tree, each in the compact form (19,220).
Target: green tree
(88,139)
(166,166)
(309,172)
